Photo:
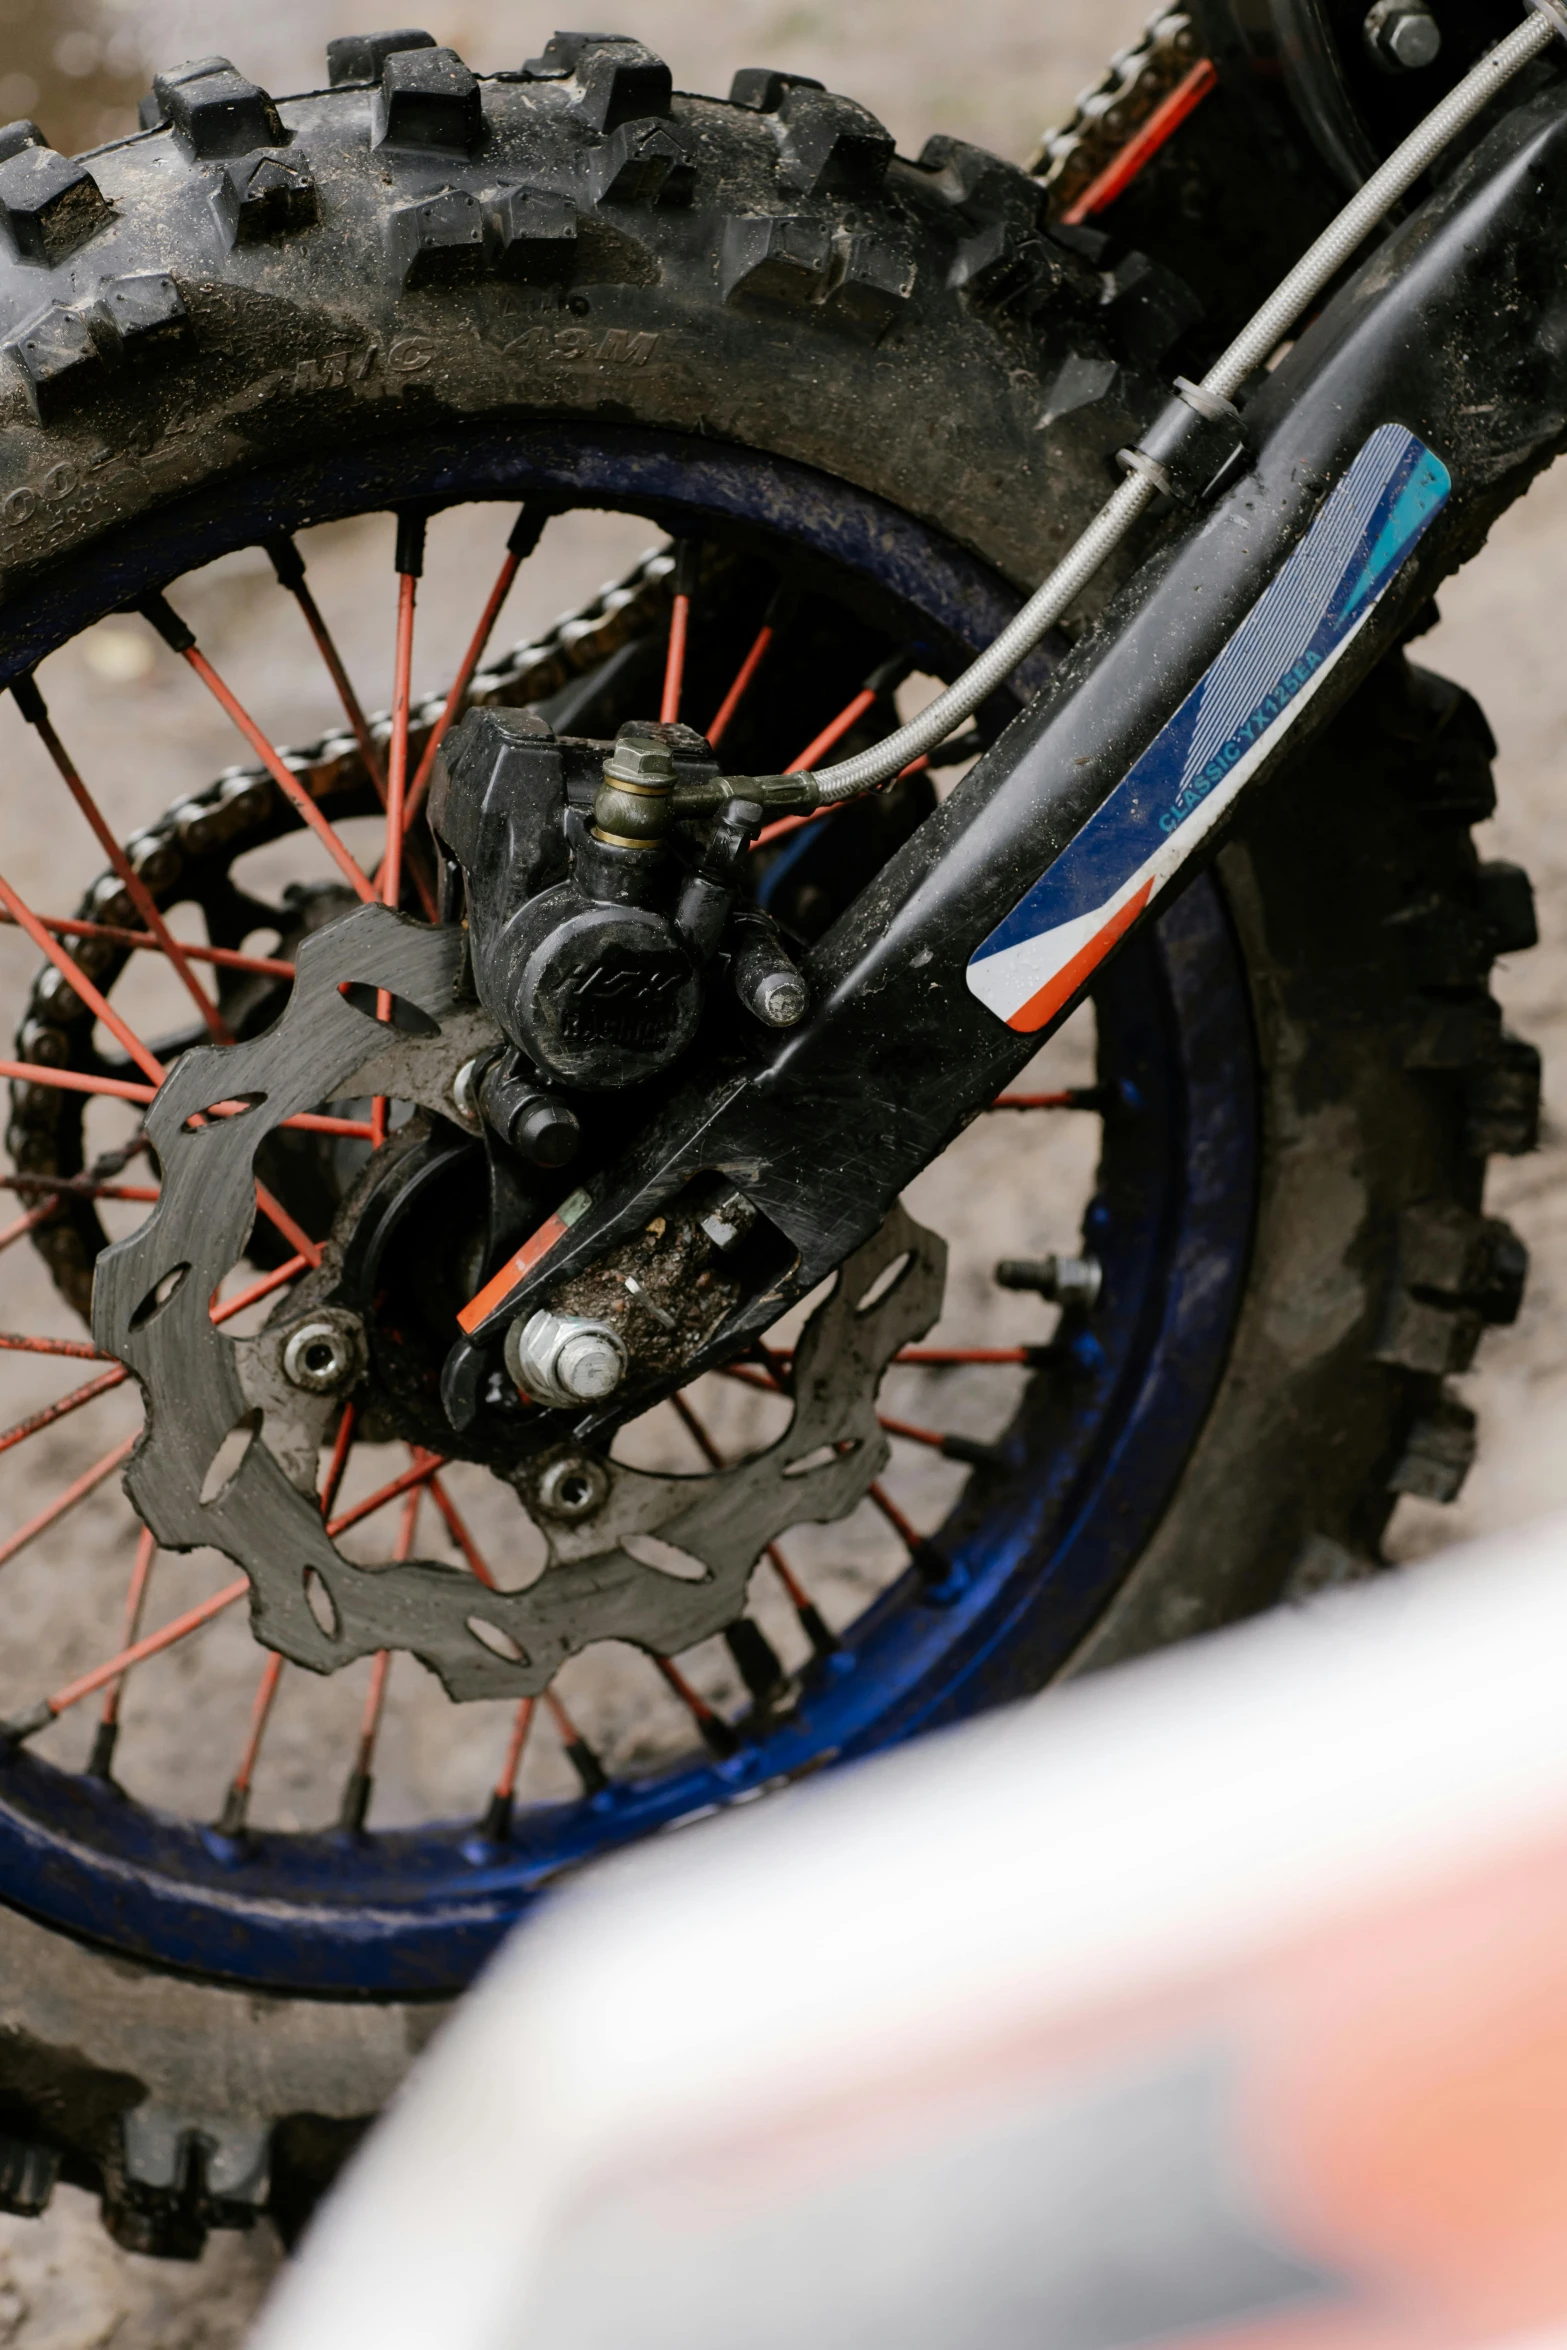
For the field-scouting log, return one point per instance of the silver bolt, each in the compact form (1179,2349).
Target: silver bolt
(1064,1281)
(322,1354)
(636,760)
(572,1486)
(781,999)
(1403,35)
(564,1359)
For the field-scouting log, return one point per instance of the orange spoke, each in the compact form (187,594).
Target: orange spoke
(697,1433)
(181,640)
(71,971)
(926,1559)
(342,1446)
(236,1800)
(142,942)
(420,1474)
(811,1620)
(410,567)
(24,1725)
(719,1736)
(281,1221)
(78,1187)
(67,1404)
(122,1089)
(742,684)
(10,1340)
(56,1509)
(289,565)
(675,660)
(28,1223)
(496,1824)
(579,1753)
(525,535)
(33,708)
(688,556)
(108,1730)
(278,1278)
(103,1010)
(361,1779)
(833,732)
(460,1534)
(1124,167)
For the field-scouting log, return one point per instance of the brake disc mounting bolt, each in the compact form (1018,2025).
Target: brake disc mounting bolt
(572,1486)
(1402,35)
(322,1355)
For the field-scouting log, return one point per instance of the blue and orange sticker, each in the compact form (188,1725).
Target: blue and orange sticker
(1280,656)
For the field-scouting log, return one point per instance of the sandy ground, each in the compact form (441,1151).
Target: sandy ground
(996,75)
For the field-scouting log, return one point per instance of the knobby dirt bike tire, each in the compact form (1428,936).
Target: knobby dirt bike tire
(246,287)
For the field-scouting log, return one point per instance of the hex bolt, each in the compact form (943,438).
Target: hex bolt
(322,1355)
(1063,1281)
(565,1359)
(1402,35)
(633,808)
(766,979)
(572,1486)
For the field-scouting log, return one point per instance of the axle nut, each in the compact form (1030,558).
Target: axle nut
(565,1359)
(323,1354)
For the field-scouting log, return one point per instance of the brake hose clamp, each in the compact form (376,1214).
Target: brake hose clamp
(1193,446)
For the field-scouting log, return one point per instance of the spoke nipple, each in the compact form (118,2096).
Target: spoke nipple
(356,1803)
(586,1764)
(100,1763)
(233,1817)
(495,1827)
(942,1580)
(721,1738)
(755,1659)
(287,561)
(824,1641)
(37,1717)
(973,1451)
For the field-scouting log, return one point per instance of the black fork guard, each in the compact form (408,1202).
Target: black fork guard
(1456,328)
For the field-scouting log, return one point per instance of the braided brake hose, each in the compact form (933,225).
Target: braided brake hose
(1212,397)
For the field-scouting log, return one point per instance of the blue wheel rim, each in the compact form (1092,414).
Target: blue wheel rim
(1038,1548)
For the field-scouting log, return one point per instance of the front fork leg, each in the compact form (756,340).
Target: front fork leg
(1421,401)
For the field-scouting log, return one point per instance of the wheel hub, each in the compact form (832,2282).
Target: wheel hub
(280,1391)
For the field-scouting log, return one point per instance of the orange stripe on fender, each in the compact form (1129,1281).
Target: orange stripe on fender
(511,1275)
(1055,992)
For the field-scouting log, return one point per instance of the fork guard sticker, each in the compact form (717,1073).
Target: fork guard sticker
(1282,653)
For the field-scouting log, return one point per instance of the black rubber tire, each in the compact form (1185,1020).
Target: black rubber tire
(238,289)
